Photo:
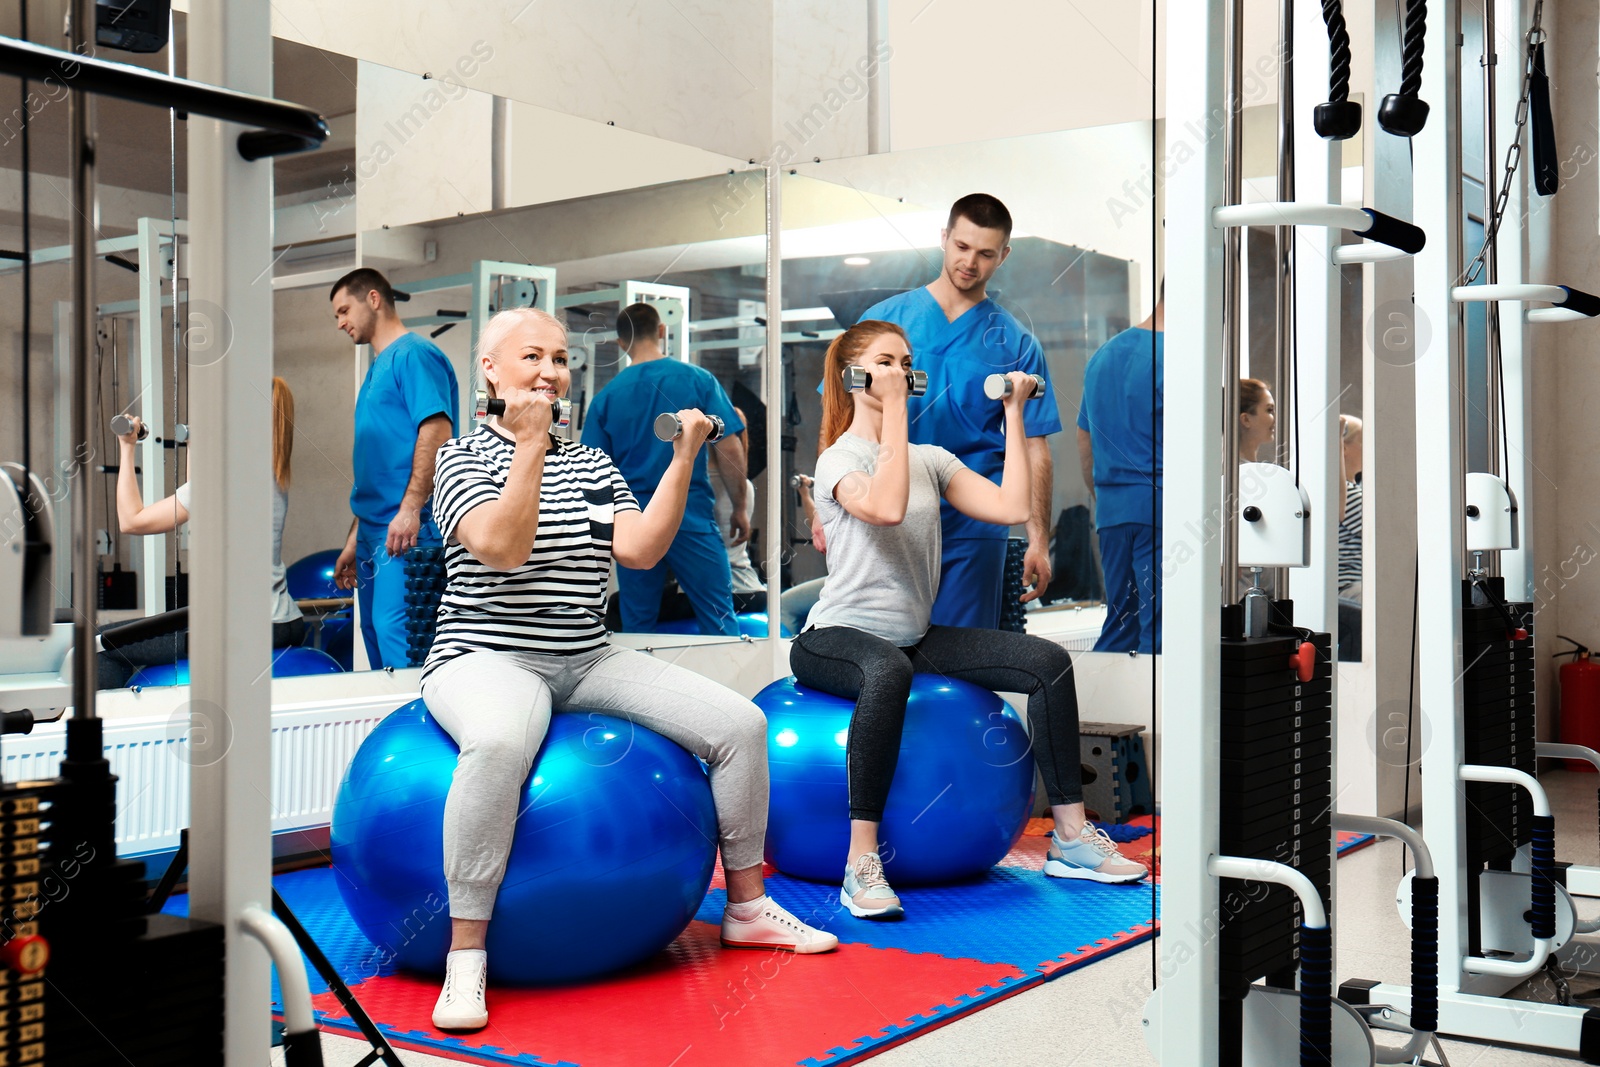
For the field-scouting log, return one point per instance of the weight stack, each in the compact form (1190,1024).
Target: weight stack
(1498,731)
(1276,798)
(425,581)
(23,1010)
(1120,786)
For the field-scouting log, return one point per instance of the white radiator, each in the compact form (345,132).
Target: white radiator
(311,747)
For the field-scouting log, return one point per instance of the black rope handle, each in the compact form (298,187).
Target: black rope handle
(1340,118)
(1405,113)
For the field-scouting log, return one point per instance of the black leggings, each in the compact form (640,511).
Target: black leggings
(877,675)
(117,665)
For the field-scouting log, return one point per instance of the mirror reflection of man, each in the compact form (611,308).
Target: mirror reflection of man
(960,336)
(406,409)
(1119,448)
(621,422)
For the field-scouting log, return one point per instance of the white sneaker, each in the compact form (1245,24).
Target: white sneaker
(1093,856)
(775,928)
(460,1005)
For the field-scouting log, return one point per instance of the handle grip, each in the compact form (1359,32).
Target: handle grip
(1581,302)
(1388,230)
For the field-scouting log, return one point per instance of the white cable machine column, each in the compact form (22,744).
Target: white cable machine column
(230,204)
(1316,320)
(1190,665)
(151,407)
(1437,205)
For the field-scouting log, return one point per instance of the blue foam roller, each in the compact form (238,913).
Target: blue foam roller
(961,795)
(613,849)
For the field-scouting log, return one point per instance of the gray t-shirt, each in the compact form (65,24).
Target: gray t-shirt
(284,608)
(882,579)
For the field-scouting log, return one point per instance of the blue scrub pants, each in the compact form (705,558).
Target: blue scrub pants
(1130,557)
(381,590)
(971,580)
(700,561)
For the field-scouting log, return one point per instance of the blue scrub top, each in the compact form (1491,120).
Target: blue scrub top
(985,339)
(1125,432)
(408,383)
(621,423)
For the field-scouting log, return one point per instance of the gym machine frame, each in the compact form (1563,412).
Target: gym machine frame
(1184,1018)
(1471,987)
(230,201)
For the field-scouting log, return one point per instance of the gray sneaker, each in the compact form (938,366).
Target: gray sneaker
(866,893)
(1093,856)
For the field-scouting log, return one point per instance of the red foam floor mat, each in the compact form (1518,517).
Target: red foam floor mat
(684,1008)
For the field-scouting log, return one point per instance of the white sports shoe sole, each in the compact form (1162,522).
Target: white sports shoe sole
(894,912)
(1055,868)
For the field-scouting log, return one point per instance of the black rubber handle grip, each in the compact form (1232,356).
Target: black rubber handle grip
(1425,954)
(127,633)
(1581,302)
(1316,996)
(1388,230)
(303,1049)
(1542,846)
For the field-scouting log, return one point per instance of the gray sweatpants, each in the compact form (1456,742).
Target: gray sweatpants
(497,706)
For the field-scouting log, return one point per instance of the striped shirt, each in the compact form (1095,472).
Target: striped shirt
(1350,536)
(553,603)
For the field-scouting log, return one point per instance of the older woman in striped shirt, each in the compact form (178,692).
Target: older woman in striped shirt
(531,524)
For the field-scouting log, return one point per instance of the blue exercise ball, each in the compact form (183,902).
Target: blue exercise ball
(311,578)
(290,662)
(613,850)
(751,624)
(961,795)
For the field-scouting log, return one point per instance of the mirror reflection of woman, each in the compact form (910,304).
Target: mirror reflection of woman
(134,516)
(878,498)
(531,525)
(1258,414)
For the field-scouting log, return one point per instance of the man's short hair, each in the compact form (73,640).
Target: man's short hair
(362,281)
(636,321)
(981,210)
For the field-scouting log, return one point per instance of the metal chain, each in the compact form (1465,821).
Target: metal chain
(1534,38)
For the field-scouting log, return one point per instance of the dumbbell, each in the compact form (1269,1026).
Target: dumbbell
(856,380)
(669,426)
(998,386)
(121,424)
(561,408)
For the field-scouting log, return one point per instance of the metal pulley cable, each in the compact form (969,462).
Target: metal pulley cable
(1491,229)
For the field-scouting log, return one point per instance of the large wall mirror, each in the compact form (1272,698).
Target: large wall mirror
(1081,270)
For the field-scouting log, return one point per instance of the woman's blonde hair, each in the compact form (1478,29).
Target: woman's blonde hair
(837,407)
(282,432)
(500,326)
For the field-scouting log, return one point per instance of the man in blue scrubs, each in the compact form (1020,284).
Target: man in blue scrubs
(621,422)
(1119,447)
(406,409)
(960,337)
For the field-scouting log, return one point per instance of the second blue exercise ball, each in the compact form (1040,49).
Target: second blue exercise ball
(961,795)
(290,662)
(752,624)
(613,849)
(311,578)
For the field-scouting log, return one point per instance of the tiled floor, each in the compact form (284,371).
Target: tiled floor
(1093,1017)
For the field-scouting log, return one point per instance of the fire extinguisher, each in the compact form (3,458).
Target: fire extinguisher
(1580,700)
